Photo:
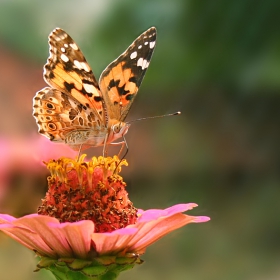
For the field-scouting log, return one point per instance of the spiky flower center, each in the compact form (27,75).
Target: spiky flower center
(88,190)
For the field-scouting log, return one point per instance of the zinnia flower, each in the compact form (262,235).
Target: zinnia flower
(86,227)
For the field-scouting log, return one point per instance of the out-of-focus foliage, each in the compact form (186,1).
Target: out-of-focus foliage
(216,61)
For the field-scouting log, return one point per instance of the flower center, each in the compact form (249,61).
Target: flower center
(88,190)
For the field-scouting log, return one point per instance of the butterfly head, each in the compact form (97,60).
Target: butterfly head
(118,130)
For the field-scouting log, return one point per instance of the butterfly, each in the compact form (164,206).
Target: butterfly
(76,109)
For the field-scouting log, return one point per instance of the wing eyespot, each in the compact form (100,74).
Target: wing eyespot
(52,126)
(50,106)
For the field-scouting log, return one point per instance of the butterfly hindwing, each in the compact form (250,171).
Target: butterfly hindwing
(120,81)
(68,71)
(57,114)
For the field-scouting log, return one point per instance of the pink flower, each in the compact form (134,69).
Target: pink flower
(87,224)
(24,156)
(50,238)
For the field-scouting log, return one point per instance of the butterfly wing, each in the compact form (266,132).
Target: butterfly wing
(68,71)
(57,114)
(120,81)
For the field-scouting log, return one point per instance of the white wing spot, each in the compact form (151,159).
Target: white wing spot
(89,88)
(146,43)
(140,47)
(140,61)
(85,66)
(133,55)
(81,65)
(64,58)
(66,45)
(152,44)
(62,49)
(78,64)
(74,46)
(143,63)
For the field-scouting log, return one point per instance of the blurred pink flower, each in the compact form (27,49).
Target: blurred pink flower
(24,156)
(49,238)
(26,153)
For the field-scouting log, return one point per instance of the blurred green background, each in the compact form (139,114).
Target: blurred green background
(218,62)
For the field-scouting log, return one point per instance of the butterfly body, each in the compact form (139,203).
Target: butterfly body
(96,137)
(76,109)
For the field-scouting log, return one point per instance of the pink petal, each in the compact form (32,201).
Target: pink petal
(150,232)
(50,235)
(29,239)
(153,214)
(78,236)
(4,218)
(113,242)
(24,236)
(201,219)
(155,223)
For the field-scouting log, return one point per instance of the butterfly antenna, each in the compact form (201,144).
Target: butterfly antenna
(154,117)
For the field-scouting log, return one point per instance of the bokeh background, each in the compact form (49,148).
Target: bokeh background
(218,62)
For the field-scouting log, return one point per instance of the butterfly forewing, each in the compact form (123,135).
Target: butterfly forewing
(68,71)
(120,81)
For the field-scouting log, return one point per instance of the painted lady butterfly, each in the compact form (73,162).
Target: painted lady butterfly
(76,109)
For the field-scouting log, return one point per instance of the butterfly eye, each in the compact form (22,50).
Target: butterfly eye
(116,128)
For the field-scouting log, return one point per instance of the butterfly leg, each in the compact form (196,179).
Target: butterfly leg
(126,145)
(104,153)
(123,143)
(79,153)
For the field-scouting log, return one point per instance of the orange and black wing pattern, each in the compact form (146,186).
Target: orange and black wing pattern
(120,81)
